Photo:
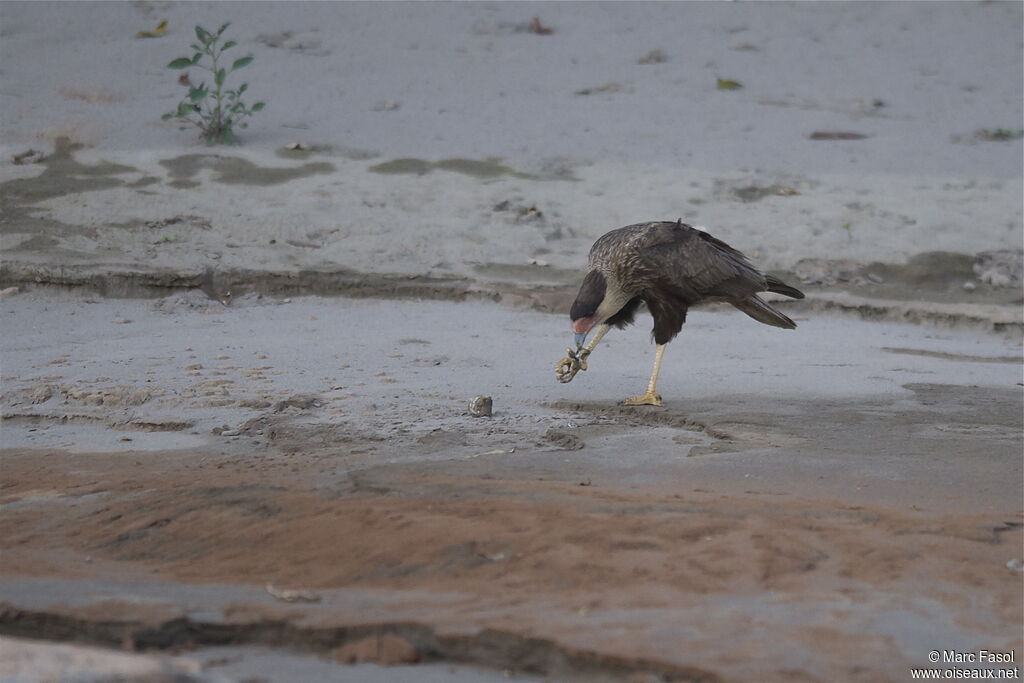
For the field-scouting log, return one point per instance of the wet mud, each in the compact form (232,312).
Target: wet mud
(565,536)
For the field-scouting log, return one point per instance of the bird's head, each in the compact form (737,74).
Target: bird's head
(599,298)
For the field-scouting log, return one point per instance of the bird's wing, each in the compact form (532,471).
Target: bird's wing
(698,265)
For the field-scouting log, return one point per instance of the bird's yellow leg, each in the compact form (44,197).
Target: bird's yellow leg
(585,351)
(649,398)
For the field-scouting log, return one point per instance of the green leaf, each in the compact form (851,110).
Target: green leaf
(258,106)
(228,44)
(196,57)
(166,116)
(220,76)
(728,84)
(180,63)
(203,35)
(223,27)
(239,63)
(197,94)
(242,88)
(184,107)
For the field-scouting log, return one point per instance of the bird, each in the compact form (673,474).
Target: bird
(670,267)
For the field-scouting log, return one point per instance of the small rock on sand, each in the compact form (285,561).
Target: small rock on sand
(481,406)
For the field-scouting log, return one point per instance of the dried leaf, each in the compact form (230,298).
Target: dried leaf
(160,29)
(538,28)
(728,84)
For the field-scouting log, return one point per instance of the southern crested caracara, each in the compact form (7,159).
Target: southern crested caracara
(670,267)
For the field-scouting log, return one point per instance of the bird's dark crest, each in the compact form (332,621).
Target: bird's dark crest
(590,296)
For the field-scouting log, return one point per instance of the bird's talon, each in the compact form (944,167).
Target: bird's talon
(648,399)
(566,369)
(574,361)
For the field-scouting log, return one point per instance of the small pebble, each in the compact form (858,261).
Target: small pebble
(481,406)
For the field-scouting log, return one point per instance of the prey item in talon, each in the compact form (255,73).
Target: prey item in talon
(567,368)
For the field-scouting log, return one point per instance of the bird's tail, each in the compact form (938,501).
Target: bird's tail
(761,311)
(779,287)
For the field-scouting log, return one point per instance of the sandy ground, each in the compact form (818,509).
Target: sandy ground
(869,495)
(447,139)
(185,424)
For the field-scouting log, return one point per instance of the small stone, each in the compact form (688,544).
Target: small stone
(970,286)
(481,406)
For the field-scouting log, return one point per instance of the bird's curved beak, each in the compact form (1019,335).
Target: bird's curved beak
(581,327)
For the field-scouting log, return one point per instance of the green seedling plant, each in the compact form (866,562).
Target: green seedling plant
(218,111)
